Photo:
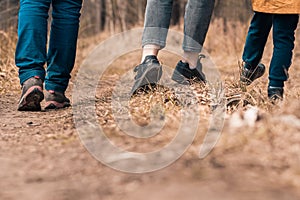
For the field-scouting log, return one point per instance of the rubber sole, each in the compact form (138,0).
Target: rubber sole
(53,105)
(31,100)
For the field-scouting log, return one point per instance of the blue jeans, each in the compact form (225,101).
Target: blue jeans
(31,53)
(284,26)
(196,22)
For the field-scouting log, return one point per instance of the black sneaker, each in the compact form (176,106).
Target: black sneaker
(56,100)
(275,94)
(184,75)
(248,75)
(32,95)
(148,74)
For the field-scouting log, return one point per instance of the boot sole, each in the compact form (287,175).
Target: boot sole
(31,100)
(53,105)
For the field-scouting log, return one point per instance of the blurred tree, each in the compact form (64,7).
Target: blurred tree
(120,15)
(233,10)
(8,13)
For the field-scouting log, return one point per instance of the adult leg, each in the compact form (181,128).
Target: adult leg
(62,44)
(32,32)
(30,54)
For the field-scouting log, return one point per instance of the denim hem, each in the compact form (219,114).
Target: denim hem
(191,49)
(27,75)
(55,87)
(161,44)
(276,83)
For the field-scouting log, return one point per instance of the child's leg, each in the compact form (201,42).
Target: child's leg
(196,22)
(157,22)
(32,31)
(284,27)
(256,39)
(62,45)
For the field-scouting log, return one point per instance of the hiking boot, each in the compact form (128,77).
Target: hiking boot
(32,95)
(184,75)
(248,75)
(56,100)
(148,74)
(275,94)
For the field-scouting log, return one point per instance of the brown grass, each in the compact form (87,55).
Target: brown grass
(225,50)
(8,71)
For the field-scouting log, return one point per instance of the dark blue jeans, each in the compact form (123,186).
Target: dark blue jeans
(284,26)
(31,52)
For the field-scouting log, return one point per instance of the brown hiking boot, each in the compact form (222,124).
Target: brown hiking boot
(32,95)
(56,100)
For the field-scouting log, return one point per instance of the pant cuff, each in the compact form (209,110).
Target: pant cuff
(161,44)
(27,75)
(276,83)
(192,49)
(155,35)
(55,87)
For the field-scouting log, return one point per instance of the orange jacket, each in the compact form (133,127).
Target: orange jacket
(277,6)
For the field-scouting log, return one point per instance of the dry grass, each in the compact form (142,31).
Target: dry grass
(8,72)
(225,51)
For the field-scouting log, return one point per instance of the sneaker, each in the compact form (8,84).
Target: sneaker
(148,74)
(56,100)
(248,75)
(184,75)
(275,94)
(32,95)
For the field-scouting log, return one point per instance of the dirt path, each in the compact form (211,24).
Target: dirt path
(42,158)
